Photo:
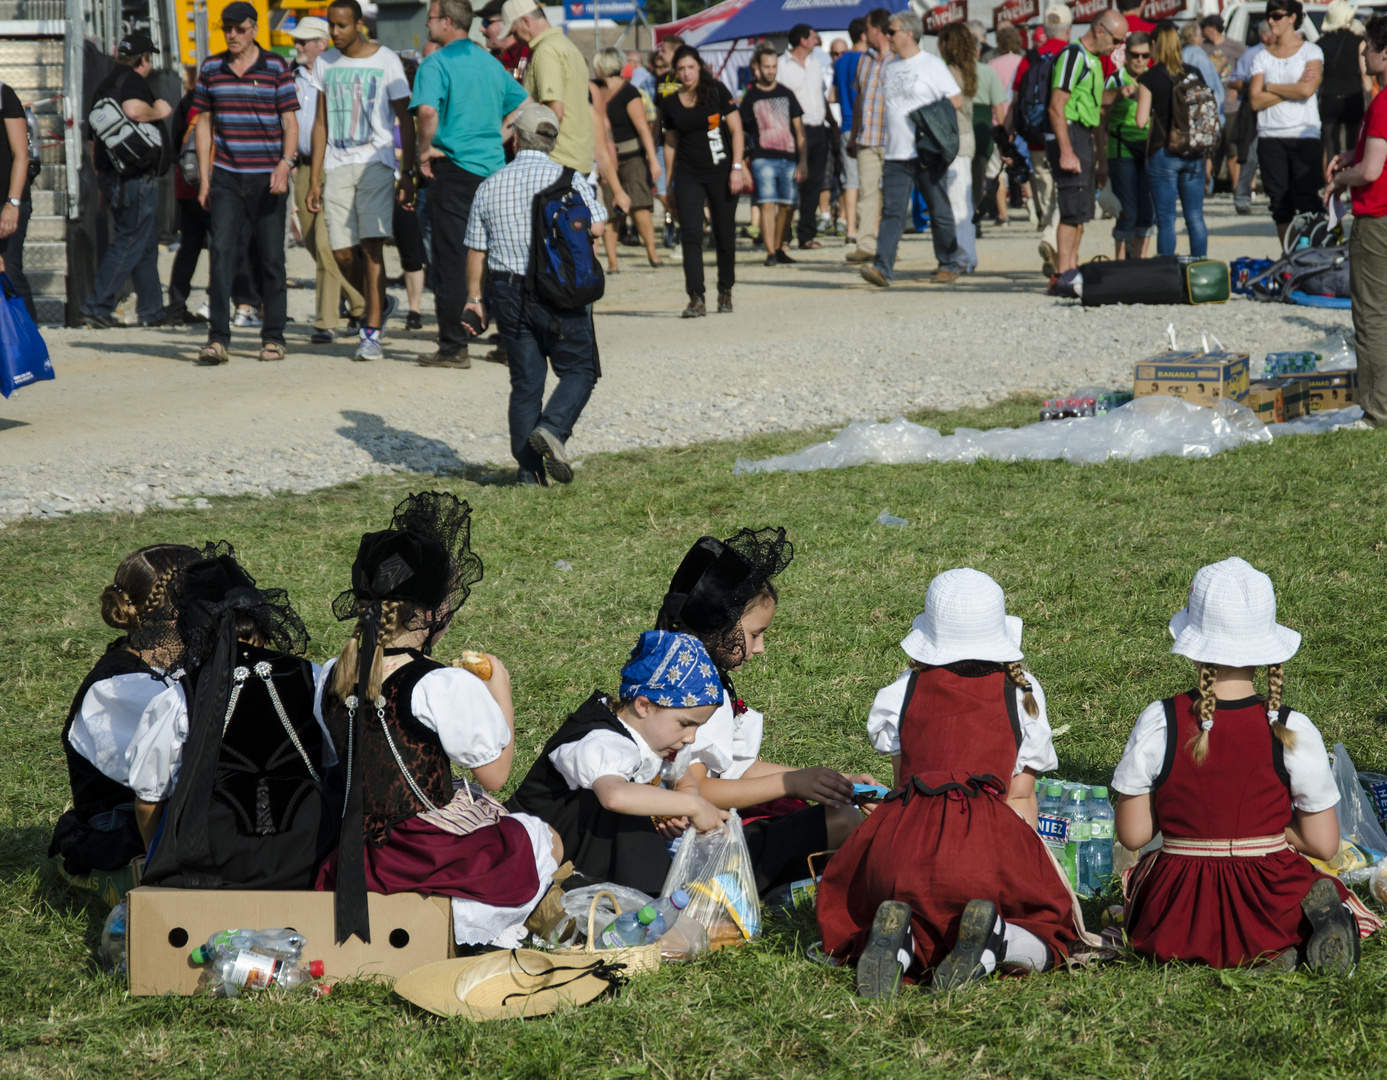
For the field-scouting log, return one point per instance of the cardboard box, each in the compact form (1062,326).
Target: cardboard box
(1195,377)
(1326,389)
(1266,401)
(1294,401)
(407,931)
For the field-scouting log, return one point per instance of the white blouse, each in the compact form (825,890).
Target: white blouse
(1312,779)
(605,753)
(108,717)
(728,745)
(1037,749)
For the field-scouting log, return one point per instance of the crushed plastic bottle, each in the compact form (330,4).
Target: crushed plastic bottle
(249,970)
(886,518)
(792,897)
(281,944)
(113,945)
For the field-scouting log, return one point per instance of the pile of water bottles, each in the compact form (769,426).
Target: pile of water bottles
(1076,823)
(1292,363)
(239,960)
(1087,403)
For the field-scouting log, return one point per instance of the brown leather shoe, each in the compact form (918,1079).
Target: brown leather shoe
(871,274)
(725,302)
(696,308)
(945,277)
(857,255)
(458,359)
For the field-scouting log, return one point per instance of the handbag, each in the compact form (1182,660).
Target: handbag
(936,133)
(23,354)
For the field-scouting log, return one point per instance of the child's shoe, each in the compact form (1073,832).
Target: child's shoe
(888,954)
(1333,945)
(981,946)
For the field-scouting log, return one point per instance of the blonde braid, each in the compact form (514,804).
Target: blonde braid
(393,616)
(1276,678)
(1019,680)
(1204,713)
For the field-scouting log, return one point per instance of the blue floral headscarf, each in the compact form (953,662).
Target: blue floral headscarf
(672,670)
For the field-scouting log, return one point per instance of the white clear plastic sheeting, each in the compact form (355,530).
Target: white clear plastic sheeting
(1145,427)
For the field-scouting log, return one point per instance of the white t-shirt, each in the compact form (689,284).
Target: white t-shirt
(108,717)
(727,745)
(605,753)
(358,95)
(1037,749)
(308,109)
(921,80)
(806,82)
(1312,780)
(1289,119)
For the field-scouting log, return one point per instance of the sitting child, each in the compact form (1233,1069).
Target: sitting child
(231,769)
(401,720)
(723,594)
(1237,784)
(949,874)
(592,781)
(100,832)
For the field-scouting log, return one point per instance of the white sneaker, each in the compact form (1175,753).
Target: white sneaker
(245,318)
(368,348)
(204,312)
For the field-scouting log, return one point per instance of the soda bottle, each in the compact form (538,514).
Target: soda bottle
(1101,838)
(1077,840)
(625,930)
(663,913)
(280,944)
(797,894)
(249,970)
(113,940)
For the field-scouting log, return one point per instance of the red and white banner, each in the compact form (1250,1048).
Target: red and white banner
(1085,11)
(1016,12)
(936,18)
(1156,10)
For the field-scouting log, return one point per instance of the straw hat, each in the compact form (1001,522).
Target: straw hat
(1230,619)
(965,618)
(504,985)
(1339,15)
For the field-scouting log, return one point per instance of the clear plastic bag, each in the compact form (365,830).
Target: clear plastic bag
(1357,818)
(715,870)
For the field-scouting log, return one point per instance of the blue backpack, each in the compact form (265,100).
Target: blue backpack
(563,271)
(1032,102)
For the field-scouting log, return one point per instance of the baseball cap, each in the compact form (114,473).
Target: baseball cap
(310,28)
(534,115)
(1059,15)
(239,12)
(492,10)
(515,9)
(135,43)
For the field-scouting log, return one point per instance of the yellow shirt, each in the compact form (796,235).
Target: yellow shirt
(558,72)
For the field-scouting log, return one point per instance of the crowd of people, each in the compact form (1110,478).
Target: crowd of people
(205,740)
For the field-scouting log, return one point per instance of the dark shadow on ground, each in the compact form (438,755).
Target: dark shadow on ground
(5,425)
(416,453)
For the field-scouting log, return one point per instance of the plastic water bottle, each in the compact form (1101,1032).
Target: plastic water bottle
(113,940)
(663,913)
(1101,838)
(626,930)
(249,970)
(1051,824)
(1051,799)
(1078,842)
(795,895)
(280,944)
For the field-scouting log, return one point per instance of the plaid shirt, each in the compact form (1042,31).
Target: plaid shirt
(871,100)
(500,222)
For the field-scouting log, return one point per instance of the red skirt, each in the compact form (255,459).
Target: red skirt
(775,808)
(494,865)
(1225,912)
(936,853)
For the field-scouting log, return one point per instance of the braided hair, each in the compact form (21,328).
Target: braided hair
(1206,703)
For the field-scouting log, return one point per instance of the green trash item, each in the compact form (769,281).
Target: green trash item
(1207,282)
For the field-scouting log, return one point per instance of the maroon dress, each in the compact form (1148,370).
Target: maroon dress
(1208,904)
(947,835)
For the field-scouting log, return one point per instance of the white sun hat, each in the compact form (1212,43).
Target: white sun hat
(1230,619)
(965,618)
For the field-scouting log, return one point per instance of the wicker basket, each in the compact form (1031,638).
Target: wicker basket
(637,958)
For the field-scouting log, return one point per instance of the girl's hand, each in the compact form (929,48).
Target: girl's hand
(820,785)
(707,817)
(864,778)
(737,181)
(672,829)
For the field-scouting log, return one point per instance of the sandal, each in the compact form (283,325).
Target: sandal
(214,352)
(272,350)
(809,245)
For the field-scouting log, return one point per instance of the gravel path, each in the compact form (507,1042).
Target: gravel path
(131,422)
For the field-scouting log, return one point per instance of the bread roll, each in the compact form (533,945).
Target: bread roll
(474,662)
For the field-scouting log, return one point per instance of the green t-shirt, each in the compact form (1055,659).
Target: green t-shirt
(472,93)
(1078,73)
(1123,133)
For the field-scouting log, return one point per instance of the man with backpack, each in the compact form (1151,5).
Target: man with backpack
(128,153)
(1030,102)
(537,328)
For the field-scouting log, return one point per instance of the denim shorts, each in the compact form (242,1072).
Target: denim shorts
(775,181)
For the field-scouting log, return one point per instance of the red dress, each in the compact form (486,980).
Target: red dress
(1224,909)
(947,835)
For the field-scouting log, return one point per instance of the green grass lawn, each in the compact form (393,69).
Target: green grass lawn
(1095,560)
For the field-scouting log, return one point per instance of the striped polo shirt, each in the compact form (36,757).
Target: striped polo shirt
(245,110)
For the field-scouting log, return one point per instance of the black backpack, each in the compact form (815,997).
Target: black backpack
(564,271)
(1032,102)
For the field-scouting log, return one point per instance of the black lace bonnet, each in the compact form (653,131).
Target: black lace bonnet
(716,581)
(216,595)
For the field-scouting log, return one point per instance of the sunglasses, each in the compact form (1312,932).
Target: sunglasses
(1276,16)
(1139,55)
(232,29)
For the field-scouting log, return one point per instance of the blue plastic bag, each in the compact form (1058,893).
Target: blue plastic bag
(23,354)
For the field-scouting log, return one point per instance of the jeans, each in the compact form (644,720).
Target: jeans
(1173,177)
(689,195)
(1131,183)
(775,181)
(451,192)
(194,224)
(532,331)
(1242,196)
(239,200)
(816,150)
(12,251)
(898,179)
(134,248)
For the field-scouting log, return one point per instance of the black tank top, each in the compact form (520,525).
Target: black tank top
(1341,75)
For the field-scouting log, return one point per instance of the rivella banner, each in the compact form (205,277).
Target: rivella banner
(1086,11)
(1017,12)
(936,18)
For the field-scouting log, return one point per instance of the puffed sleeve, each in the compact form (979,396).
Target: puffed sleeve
(602,753)
(457,705)
(884,719)
(1145,753)
(712,746)
(1037,750)
(156,751)
(108,717)
(1312,778)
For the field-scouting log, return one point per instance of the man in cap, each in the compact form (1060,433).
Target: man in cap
(462,97)
(247,141)
(534,334)
(311,40)
(132,198)
(557,76)
(513,53)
